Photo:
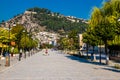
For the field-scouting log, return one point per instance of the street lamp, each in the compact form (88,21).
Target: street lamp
(29,46)
(25,45)
(8,51)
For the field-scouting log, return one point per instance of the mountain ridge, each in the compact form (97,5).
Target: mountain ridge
(41,19)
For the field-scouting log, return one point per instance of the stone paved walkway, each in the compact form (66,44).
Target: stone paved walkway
(57,66)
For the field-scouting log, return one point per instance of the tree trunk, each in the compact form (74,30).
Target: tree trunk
(87,50)
(93,57)
(100,51)
(107,54)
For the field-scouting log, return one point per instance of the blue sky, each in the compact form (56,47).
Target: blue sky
(77,8)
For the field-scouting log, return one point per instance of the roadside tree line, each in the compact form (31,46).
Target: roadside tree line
(17,37)
(104,26)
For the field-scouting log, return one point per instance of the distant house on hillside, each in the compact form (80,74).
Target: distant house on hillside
(30,12)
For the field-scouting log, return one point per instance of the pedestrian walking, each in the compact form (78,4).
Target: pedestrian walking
(46,51)
(20,55)
(7,56)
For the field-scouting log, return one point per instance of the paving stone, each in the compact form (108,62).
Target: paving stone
(56,66)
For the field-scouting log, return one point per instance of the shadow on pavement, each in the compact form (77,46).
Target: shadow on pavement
(83,60)
(112,69)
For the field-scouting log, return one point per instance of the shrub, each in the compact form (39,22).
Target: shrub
(15,50)
(117,66)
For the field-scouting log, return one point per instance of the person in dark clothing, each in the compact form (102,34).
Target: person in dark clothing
(7,56)
(20,56)
(3,53)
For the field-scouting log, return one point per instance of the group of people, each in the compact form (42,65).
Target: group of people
(6,54)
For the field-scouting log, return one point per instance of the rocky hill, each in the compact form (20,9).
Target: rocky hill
(41,19)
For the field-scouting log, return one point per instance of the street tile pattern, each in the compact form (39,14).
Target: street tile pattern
(58,66)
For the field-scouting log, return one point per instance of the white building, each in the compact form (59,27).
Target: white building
(46,37)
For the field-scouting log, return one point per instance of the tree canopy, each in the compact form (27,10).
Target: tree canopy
(104,24)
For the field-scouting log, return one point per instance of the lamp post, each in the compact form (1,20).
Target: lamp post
(100,50)
(29,54)
(25,45)
(8,51)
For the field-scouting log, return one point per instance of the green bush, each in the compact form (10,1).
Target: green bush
(15,51)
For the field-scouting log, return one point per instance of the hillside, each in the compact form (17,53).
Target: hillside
(41,19)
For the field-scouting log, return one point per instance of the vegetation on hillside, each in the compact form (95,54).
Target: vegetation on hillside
(55,21)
